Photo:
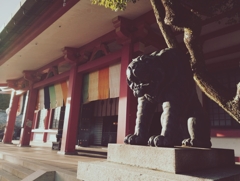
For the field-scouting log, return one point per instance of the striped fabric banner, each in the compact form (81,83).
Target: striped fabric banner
(46,98)
(41,99)
(102,84)
(64,86)
(59,95)
(93,86)
(85,88)
(114,82)
(52,95)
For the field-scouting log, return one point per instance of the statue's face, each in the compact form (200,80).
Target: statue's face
(138,78)
(143,76)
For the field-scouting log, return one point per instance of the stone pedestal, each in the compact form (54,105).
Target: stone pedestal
(142,163)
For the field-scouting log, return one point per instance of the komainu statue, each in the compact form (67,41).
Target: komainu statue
(165,77)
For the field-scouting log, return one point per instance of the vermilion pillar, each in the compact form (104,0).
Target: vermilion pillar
(127,102)
(46,124)
(31,101)
(13,106)
(70,124)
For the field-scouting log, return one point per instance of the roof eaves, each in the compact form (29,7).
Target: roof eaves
(23,19)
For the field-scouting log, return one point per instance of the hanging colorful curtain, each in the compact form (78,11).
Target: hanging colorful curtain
(102,84)
(93,86)
(59,95)
(46,98)
(64,86)
(114,80)
(85,88)
(52,95)
(40,102)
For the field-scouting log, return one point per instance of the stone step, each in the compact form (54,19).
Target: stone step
(105,170)
(41,175)
(174,160)
(6,176)
(17,170)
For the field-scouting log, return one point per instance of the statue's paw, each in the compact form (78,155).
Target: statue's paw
(197,143)
(135,140)
(151,140)
(126,139)
(163,141)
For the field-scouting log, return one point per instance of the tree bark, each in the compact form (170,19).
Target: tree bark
(166,30)
(177,16)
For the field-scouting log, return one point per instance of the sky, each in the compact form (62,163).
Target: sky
(7,10)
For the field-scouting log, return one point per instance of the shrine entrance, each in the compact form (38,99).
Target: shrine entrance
(98,123)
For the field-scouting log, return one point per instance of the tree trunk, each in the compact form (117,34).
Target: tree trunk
(179,17)
(167,33)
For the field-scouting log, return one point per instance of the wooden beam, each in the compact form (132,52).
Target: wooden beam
(123,29)
(222,52)
(107,38)
(3,84)
(51,64)
(52,80)
(223,65)
(99,63)
(220,32)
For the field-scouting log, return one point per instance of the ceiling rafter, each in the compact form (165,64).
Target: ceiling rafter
(232,63)
(220,32)
(222,52)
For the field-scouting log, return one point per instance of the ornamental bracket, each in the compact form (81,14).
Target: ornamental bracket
(123,29)
(74,55)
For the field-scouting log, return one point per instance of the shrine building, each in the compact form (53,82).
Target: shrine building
(64,64)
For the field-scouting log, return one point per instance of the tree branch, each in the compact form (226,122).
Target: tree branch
(166,30)
(176,15)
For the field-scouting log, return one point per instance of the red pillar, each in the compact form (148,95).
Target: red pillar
(28,117)
(70,124)
(127,102)
(11,119)
(46,124)
(35,119)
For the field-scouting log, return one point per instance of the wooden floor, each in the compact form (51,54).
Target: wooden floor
(45,155)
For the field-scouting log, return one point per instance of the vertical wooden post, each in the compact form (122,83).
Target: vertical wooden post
(127,102)
(11,118)
(28,117)
(35,122)
(70,124)
(46,124)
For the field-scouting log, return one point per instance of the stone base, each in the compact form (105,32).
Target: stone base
(174,160)
(102,171)
(141,163)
